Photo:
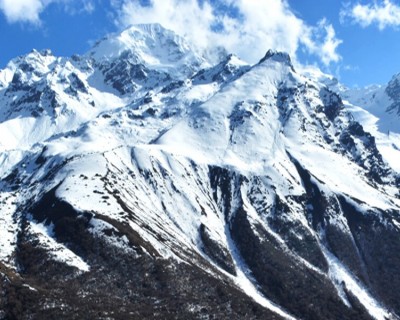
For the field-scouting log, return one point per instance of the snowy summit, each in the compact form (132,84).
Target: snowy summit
(143,180)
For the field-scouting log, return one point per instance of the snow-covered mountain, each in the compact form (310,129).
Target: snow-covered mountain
(141,180)
(375,107)
(381,101)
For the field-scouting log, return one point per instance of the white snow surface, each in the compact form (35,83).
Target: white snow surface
(387,136)
(150,151)
(244,280)
(8,227)
(58,252)
(340,275)
(370,107)
(151,45)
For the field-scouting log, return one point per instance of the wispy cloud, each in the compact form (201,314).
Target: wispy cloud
(383,14)
(322,41)
(245,27)
(29,10)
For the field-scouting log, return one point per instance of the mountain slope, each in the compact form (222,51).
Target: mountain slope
(382,102)
(140,180)
(376,107)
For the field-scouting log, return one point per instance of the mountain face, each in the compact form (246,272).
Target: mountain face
(381,101)
(375,107)
(140,180)
(380,115)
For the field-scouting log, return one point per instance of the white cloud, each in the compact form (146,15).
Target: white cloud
(384,14)
(30,10)
(322,41)
(22,10)
(255,27)
(73,7)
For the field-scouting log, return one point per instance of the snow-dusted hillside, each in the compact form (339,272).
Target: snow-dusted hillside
(141,180)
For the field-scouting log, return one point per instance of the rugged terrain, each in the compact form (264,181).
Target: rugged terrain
(143,180)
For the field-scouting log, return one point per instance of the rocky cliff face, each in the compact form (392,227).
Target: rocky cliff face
(142,181)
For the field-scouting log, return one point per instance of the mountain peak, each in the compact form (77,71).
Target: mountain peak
(148,27)
(233,59)
(150,45)
(44,52)
(147,41)
(277,56)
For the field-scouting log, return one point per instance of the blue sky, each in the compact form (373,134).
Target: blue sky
(357,41)
(369,55)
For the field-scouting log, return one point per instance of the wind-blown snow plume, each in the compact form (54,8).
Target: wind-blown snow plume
(248,28)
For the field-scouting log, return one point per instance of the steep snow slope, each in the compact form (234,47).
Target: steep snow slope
(141,176)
